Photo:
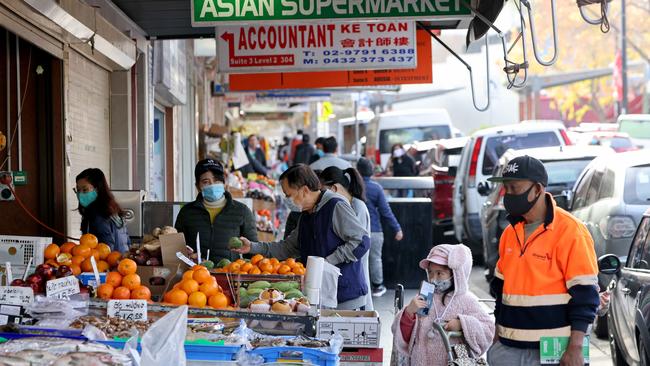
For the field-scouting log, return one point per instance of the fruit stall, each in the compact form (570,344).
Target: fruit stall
(252,311)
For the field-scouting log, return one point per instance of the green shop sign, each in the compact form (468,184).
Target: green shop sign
(207,13)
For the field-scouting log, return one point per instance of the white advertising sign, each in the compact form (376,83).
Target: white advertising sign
(317,46)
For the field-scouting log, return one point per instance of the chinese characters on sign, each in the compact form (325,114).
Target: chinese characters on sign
(128,309)
(316,47)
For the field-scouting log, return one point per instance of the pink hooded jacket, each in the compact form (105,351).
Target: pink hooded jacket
(477,324)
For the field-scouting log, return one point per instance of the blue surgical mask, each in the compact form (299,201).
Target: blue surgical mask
(320,152)
(442,285)
(213,192)
(293,206)
(86,198)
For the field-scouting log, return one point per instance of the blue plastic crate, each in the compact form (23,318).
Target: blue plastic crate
(194,351)
(297,354)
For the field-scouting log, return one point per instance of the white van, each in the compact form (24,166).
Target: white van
(345,134)
(637,126)
(405,127)
(479,159)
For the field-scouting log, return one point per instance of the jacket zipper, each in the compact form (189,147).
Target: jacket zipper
(527,243)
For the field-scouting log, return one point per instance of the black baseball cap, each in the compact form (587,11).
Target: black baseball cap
(209,165)
(523,168)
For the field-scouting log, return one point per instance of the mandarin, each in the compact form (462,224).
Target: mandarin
(127,267)
(51,251)
(256,259)
(104,251)
(197,299)
(67,247)
(218,301)
(121,293)
(131,281)
(177,297)
(113,259)
(141,293)
(189,286)
(201,276)
(114,278)
(82,251)
(105,291)
(89,240)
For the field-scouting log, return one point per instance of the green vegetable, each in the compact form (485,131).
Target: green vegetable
(222,263)
(293,294)
(286,286)
(259,284)
(208,264)
(255,291)
(235,243)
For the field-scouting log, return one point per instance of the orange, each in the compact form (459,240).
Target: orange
(86,266)
(202,276)
(266,273)
(141,293)
(102,266)
(240,261)
(266,267)
(197,299)
(95,253)
(209,288)
(198,266)
(218,301)
(82,251)
(255,271)
(114,278)
(189,286)
(290,262)
(246,267)
(284,269)
(276,267)
(221,270)
(77,259)
(177,297)
(64,259)
(264,261)
(131,281)
(105,291)
(52,262)
(89,240)
(67,247)
(256,258)
(274,261)
(113,259)
(127,267)
(76,270)
(51,251)
(234,267)
(188,275)
(121,293)
(299,271)
(104,251)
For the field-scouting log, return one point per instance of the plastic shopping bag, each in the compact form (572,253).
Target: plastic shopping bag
(163,343)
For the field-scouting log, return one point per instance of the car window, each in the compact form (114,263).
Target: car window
(636,129)
(637,250)
(564,172)
(607,185)
(497,145)
(594,186)
(407,135)
(580,197)
(637,185)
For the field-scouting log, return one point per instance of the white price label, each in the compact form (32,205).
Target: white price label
(128,309)
(62,288)
(13,295)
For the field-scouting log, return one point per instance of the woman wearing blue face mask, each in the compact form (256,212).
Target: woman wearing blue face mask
(101,215)
(214,215)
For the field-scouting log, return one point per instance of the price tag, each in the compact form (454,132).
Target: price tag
(186,260)
(551,349)
(62,288)
(128,309)
(12,295)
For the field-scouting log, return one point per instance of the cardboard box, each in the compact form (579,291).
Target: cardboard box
(358,328)
(362,357)
(159,279)
(171,244)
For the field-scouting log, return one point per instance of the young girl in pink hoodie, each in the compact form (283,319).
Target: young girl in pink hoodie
(448,267)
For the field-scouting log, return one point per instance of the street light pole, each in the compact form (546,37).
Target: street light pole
(623,59)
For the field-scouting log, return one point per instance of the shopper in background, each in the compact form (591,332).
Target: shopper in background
(454,306)
(401,163)
(378,209)
(319,150)
(214,215)
(297,140)
(304,151)
(256,158)
(330,158)
(343,243)
(101,215)
(284,150)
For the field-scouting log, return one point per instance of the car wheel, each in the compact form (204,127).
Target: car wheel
(600,327)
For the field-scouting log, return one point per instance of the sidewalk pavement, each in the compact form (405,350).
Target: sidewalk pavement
(599,350)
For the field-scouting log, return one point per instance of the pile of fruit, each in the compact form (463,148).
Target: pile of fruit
(264,290)
(43,273)
(124,284)
(259,265)
(149,253)
(77,256)
(198,288)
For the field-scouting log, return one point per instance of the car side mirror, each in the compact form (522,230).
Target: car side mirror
(562,202)
(483,188)
(452,171)
(609,264)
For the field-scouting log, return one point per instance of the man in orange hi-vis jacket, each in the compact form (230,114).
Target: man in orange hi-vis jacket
(546,277)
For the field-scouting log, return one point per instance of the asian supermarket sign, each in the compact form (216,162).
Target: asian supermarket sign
(207,13)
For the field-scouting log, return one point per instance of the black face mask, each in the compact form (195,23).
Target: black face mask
(518,204)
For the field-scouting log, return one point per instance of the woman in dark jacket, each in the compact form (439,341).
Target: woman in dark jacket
(101,215)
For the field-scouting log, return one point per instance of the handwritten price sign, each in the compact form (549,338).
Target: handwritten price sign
(62,288)
(135,310)
(12,295)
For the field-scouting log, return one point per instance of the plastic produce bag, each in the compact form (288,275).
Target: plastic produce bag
(163,343)
(58,313)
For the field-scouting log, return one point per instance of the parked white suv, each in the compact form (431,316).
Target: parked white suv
(480,158)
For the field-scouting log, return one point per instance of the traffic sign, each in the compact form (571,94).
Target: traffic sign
(207,13)
(317,46)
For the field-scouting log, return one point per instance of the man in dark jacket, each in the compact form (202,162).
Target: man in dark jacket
(256,157)
(214,215)
(304,151)
(328,228)
(320,152)
(378,209)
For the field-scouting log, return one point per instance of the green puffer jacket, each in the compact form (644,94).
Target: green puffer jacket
(236,219)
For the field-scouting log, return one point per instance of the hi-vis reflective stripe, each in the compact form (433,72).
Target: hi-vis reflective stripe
(530,335)
(498,273)
(582,280)
(542,300)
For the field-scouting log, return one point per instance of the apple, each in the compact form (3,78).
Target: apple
(46,271)
(64,271)
(17,282)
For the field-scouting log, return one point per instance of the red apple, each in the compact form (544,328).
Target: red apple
(17,282)
(64,271)
(46,271)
